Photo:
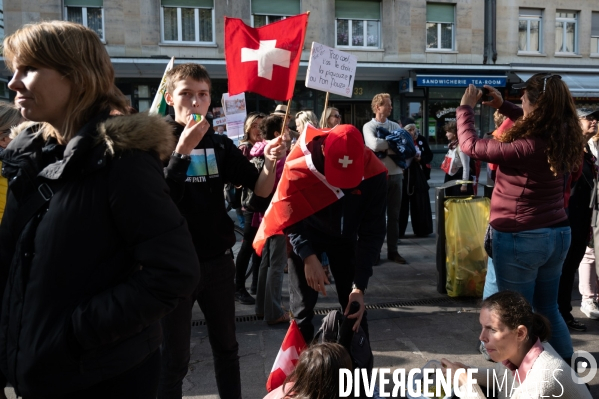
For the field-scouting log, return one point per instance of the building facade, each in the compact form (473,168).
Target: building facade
(421,52)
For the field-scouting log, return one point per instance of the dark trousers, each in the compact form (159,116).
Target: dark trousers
(245,253)
(141,382)
(302,298)
(215,295)
(580,226)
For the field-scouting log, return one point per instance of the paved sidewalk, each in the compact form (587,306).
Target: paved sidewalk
(410,323)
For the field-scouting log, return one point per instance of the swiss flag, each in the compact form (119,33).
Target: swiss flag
(264,60)
(292,346)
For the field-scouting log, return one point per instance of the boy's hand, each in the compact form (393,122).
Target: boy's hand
(275,149)
(192,134)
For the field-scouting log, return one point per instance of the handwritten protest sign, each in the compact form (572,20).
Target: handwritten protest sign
(235,113)
(331,70)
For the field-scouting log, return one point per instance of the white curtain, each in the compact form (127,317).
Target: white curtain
(559,36)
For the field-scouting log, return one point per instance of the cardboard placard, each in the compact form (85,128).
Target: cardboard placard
(331,70)
(235,113)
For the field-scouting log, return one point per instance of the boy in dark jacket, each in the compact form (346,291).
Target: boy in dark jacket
(331,200)
(196,173)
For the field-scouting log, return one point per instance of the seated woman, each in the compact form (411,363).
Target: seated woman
(527,366)
(316,375)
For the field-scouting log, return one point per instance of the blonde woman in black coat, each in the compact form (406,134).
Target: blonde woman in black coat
(94,252)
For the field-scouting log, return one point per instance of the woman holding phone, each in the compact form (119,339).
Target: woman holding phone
(530,229)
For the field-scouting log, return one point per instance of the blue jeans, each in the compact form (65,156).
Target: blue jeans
(530,262)
(491,280)
(270,278)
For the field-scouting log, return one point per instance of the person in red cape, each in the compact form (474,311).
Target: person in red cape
(331,198)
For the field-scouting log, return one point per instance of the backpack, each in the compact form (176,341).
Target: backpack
(233,196)
(359,346)
(251,201)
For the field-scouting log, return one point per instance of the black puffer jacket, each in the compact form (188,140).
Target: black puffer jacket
(87,279)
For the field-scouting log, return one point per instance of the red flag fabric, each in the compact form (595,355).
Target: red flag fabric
(303,190)
(293,344)
(264,60)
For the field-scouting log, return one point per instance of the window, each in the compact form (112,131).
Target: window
(187,21)
(529,30)
(88,13)
(595,33)
(566,32)
(4,89)
(358,24)
(265,12)
(440,21)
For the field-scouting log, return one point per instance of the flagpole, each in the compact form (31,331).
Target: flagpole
(289,101)
(323,122)
(286,116)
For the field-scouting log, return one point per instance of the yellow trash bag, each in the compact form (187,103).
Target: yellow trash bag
(466,221)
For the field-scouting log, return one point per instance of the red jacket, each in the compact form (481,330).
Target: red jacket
(527,195)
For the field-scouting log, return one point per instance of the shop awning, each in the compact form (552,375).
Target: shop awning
(580,84)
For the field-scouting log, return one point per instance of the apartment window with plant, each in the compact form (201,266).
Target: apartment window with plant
(88,13)
(566,32)
(357,24)
(440,26)
(187,21)
(530,28)
(595,33)
(266,12)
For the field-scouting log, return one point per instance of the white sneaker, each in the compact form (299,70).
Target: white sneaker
(589,308)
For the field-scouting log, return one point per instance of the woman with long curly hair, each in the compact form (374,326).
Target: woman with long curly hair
(529,225)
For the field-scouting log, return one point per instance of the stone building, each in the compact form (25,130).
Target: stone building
(421,52)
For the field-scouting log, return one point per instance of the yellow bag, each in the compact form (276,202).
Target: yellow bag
(466,221)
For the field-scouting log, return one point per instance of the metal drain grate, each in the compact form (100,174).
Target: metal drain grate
(384,305)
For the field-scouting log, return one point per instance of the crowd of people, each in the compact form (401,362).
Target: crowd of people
(115,225)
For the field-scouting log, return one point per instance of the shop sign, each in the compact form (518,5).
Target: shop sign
(460,81)
(406,86)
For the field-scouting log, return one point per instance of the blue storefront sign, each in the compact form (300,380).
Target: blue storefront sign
(459,81)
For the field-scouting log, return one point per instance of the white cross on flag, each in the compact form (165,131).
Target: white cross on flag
(293,344)
(264,60)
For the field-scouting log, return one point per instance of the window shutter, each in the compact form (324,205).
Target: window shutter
(358,9)
(531,12)
(84,3)
(444,13)
(187,3)
(281,7)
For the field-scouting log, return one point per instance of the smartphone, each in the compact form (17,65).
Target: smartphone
(486,94)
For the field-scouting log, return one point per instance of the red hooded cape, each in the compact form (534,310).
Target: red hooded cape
(303,190)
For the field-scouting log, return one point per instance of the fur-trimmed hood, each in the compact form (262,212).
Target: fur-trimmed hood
(100,139)
(127,132)
(138,132)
